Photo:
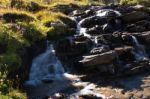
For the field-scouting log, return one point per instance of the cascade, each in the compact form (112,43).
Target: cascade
(139,52)
(46,66)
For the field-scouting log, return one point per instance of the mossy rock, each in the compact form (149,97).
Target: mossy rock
(69,22)
(59,32)
(34,6)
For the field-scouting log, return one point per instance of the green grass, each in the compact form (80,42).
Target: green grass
(22,27)
(133,2)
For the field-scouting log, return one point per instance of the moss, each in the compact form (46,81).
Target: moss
(34,31)
(16,94)
(17,16)
(4,3)
(59,31)
(34,6)
(20,4)
(48,16)
(28,5)
(64,8)
(133,2)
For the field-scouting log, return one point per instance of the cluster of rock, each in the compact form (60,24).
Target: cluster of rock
(111,39)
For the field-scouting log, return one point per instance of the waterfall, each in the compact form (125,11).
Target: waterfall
(46,66)
(139,52)
(103,12)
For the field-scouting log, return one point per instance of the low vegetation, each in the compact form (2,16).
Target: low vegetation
(132,2)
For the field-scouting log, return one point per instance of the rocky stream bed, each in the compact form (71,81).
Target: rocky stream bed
(108,58)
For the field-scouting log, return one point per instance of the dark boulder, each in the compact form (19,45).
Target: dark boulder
(94,30)
(108,28)
(135,28)
(125,53)
(137,67)
(73,46)
(101,49)
(92,21)
(146,37)
(123,49)
(98,59)
(127,39)
(134,16)
(89,97)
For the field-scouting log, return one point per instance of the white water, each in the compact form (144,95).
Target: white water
(45,66)
(100,13)
(103,12)
(140,53)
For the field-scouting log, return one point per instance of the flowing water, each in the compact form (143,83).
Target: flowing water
(139,51)
(46,66)
(47,77)
(102,13)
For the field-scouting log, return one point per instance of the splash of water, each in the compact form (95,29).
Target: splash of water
(100,13)
(46,66)
(139,52)
(103,12)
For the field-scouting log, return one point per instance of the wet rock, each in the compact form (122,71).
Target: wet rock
(125,53)
(74,46)
(101,49)
(138,67)
(135,28)
(141,8)
(103,39)
(108,28)
(63,45)
(77,13)
(92,21)
(127,39)
(89,97)
(58,96)
(138,7)
(90,12)
(111,14)
(80,38)
(121,50)
(130,17)
(57,24)
(144,23)
(94,30)
(113,40)
(47,80)
(99,59)
(82,43)
(146,36)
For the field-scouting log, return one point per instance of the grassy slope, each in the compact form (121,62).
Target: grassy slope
(22,25)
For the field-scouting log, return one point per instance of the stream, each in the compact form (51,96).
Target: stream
(94,45)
